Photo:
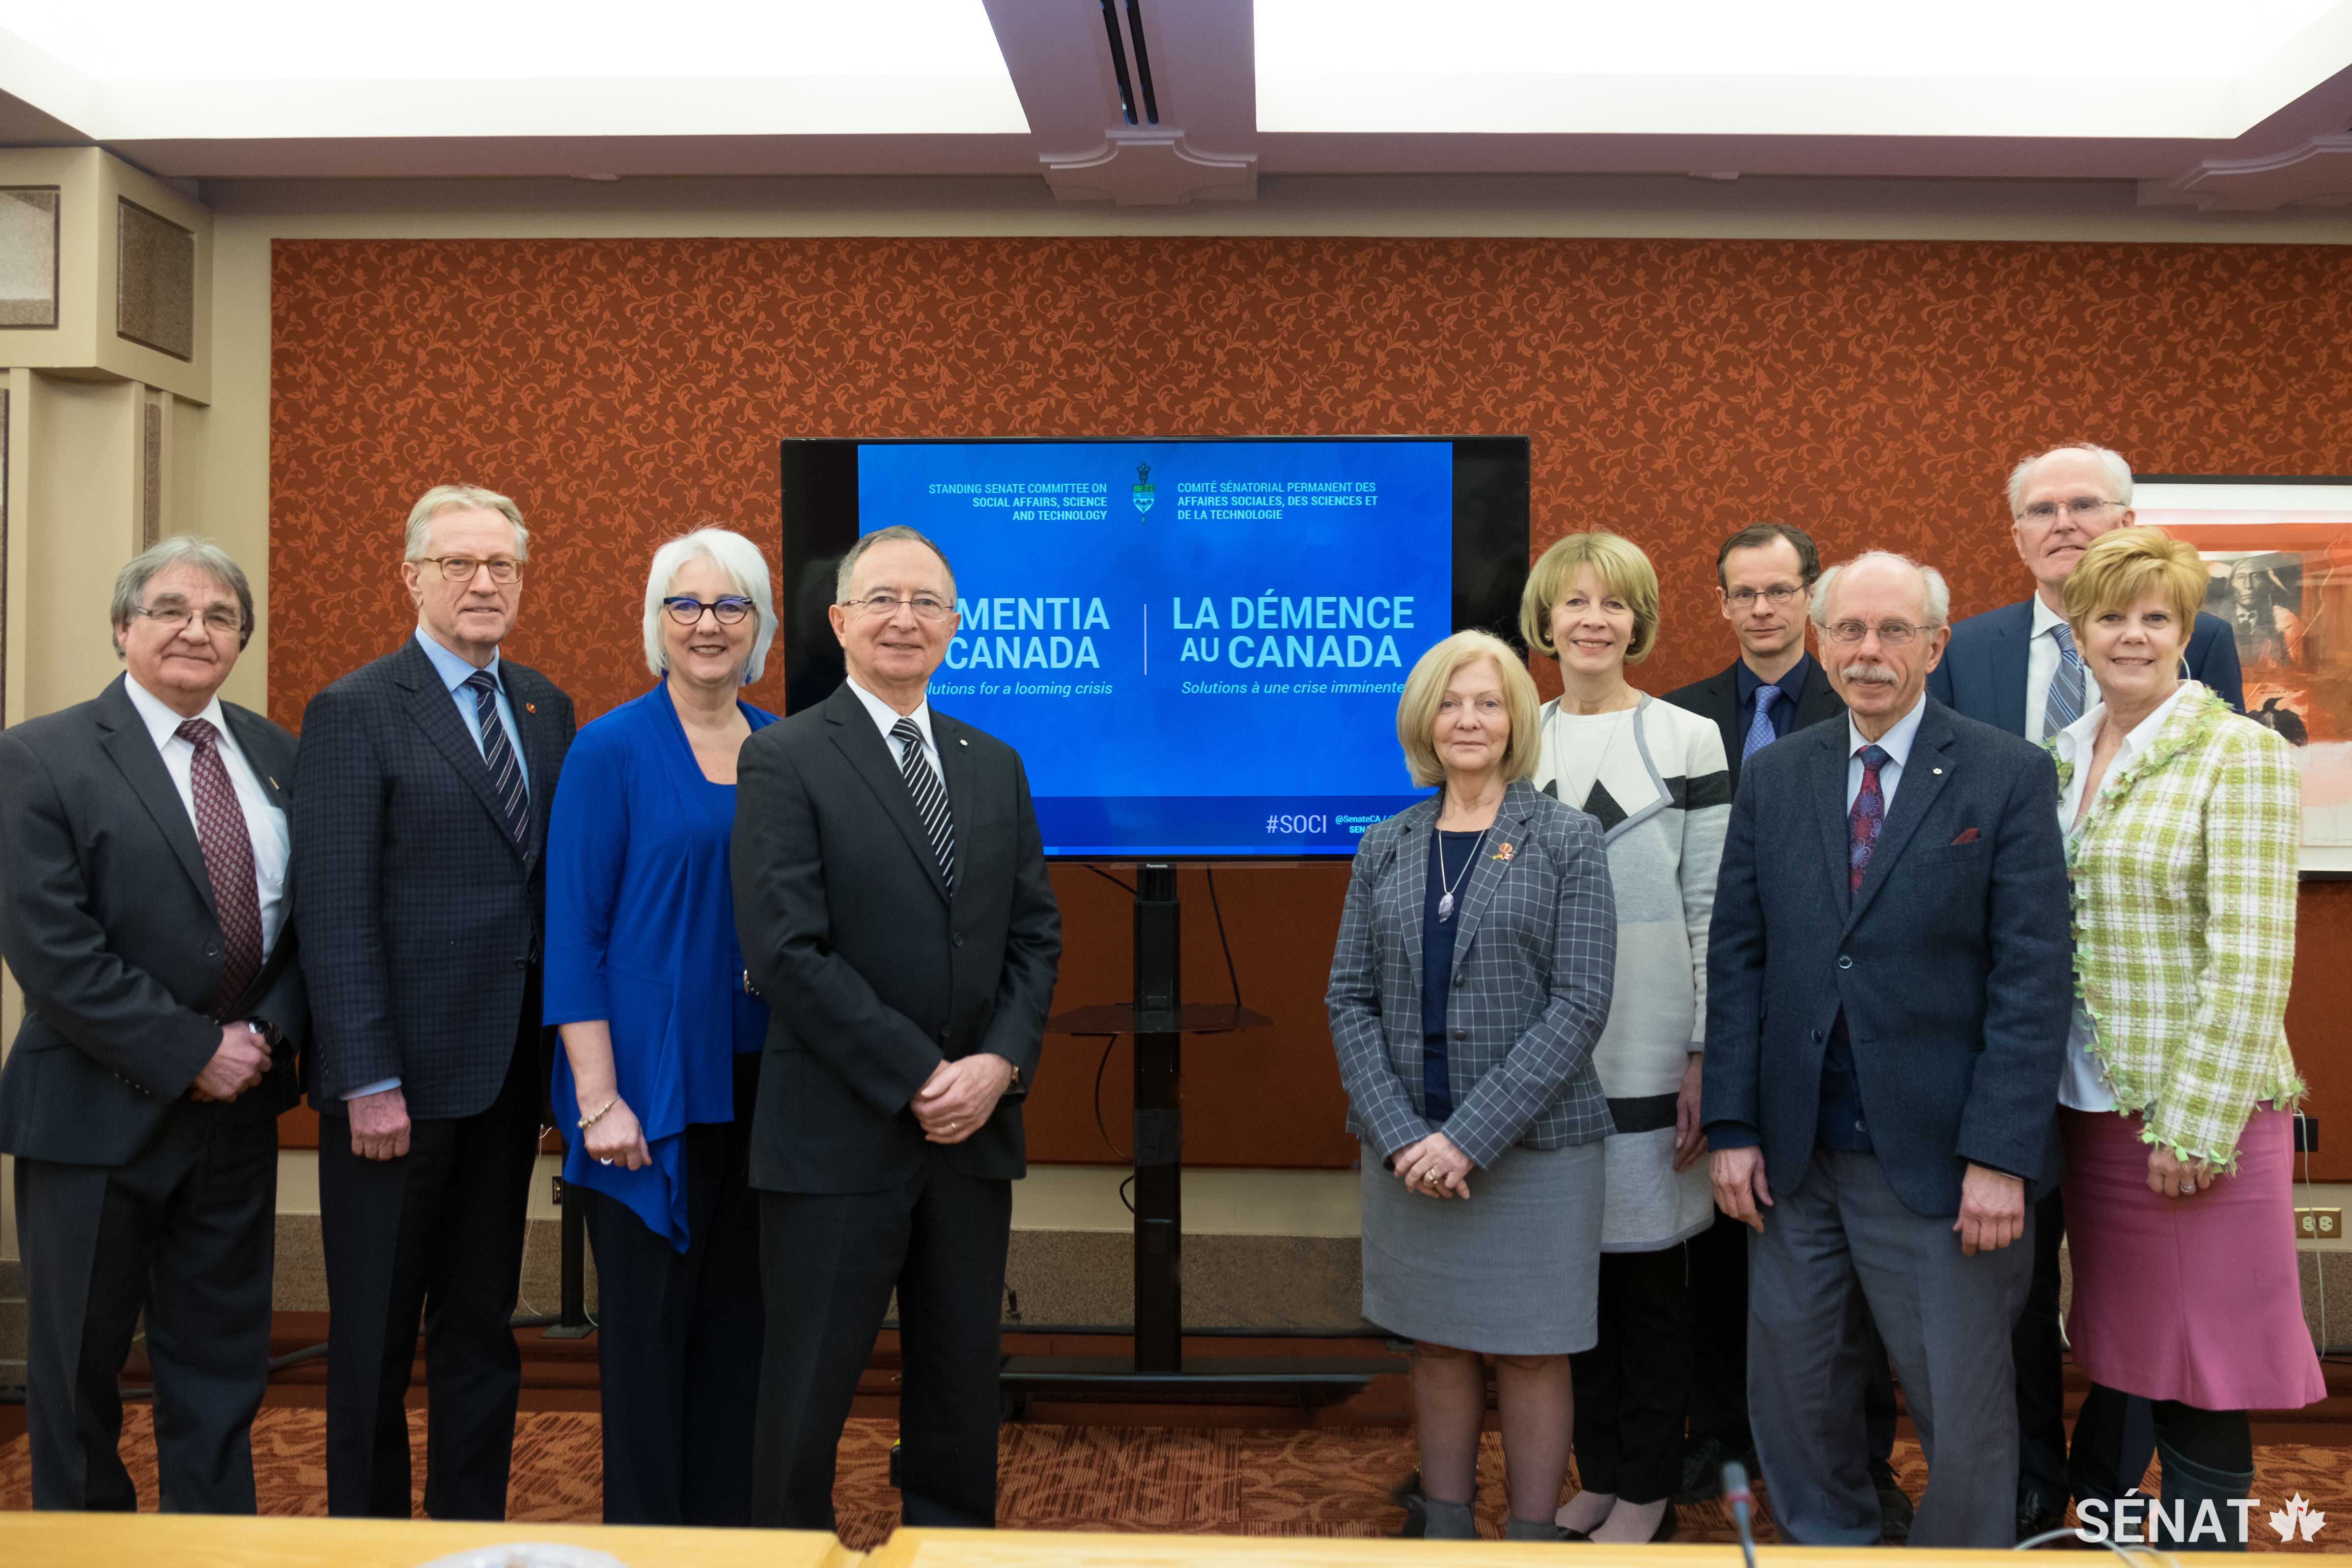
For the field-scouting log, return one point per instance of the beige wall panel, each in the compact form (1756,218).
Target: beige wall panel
(81,525)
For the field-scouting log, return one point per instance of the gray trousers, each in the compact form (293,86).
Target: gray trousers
(1841,1239)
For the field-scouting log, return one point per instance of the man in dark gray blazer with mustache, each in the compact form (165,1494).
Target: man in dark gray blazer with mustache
(1889,979)
(143,911)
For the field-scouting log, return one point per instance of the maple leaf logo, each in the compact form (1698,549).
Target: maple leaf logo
(2298,1516)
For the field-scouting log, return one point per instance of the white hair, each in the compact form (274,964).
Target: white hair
(745,569)
(1932,587)
(454,497)
(2119,474)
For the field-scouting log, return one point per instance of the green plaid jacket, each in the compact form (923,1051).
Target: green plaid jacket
(2184,889)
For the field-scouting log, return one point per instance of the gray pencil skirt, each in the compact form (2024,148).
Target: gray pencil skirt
(1514,1271)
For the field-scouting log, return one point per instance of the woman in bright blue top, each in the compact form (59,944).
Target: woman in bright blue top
(659,1072)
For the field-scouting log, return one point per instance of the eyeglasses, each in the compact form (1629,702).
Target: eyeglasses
(1891,634)
(926,606)
(686,610)
(174,618)
(462,568)
(1778,599)
(2082,508)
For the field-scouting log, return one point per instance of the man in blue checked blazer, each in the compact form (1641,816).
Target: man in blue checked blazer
(2015,669)
(1888,985)
(420,822)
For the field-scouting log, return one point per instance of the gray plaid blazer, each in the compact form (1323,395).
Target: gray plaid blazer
(1535,953)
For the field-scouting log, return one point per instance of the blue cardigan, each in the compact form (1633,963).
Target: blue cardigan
(641,933)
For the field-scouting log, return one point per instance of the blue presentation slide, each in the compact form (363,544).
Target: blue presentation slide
(1197,648)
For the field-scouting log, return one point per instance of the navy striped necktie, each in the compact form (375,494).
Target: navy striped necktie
(2065,703)
(497,755)
(931,796)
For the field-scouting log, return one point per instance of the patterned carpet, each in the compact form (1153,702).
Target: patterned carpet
(1333,1481)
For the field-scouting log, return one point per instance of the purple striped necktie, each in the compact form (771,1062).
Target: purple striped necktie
(227,844)
(497,755)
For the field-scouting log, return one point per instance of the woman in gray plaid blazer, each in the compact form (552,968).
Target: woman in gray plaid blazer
(1470,983)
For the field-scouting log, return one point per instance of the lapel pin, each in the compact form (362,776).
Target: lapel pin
(1934,770)
(274,783)
(533,708)
(962,742)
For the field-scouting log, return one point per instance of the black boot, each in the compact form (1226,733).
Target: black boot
(2195,1486)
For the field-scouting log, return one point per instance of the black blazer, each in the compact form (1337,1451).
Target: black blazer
(107,920)
(1952,963)
(424,915)
(1982,673)
(1718,697)
(873,974)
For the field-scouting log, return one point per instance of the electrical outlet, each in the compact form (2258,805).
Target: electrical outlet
(2319,1225)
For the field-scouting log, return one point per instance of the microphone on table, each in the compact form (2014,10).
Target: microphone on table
(1739,1500)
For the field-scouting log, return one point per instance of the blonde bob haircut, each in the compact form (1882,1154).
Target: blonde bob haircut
(746,571)
(1425,687)
(2125,565)
(1623,570)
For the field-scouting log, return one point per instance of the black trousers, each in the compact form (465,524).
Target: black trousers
(828,1263)
(1632,1384)
(2041,1374)
(677,1334)
(1718,1312)
(438,1234)
(185,1232)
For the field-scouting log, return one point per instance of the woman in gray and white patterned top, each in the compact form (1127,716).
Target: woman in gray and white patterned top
(1653,777)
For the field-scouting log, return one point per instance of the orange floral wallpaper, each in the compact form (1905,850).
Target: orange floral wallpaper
(1676,390)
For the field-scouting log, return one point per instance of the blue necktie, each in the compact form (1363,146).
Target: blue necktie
(506,774)
(1760,733)
(2065,703)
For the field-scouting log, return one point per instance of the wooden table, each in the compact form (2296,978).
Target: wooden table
(1070,1549)
(193,1540)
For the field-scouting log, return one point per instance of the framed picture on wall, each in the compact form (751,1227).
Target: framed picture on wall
(2278,556)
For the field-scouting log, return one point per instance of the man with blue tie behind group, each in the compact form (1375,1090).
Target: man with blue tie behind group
(2016,668)
(420,821)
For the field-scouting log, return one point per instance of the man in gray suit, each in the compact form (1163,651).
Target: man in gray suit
(1888,985)
(145,838)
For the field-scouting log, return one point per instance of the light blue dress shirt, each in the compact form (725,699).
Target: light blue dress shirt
(455,672)
(1895,743)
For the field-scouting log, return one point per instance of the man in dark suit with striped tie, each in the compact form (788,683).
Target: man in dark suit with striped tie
(420,822)
(143,911)
(893,907)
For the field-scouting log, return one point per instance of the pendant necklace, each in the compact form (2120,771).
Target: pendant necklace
(1450,883)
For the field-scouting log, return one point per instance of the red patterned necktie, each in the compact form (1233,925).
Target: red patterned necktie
(1868,816)
(228,861)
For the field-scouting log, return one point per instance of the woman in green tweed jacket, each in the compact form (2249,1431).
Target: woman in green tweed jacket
(2183,821)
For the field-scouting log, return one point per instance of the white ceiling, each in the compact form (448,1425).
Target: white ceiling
(2198,98)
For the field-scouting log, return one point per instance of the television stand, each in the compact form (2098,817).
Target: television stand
(1158,1020)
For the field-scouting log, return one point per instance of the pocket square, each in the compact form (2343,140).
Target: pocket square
(1967,836)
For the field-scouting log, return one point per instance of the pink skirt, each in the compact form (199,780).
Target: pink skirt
(2195,1298)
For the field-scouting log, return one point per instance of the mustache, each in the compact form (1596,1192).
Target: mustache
(1871,674)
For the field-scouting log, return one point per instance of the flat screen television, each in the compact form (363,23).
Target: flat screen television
(1196,645)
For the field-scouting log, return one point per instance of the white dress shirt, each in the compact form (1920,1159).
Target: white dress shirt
(2041,659)
(2080,1087)
(886,718)
(1895,743)
(264,823)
